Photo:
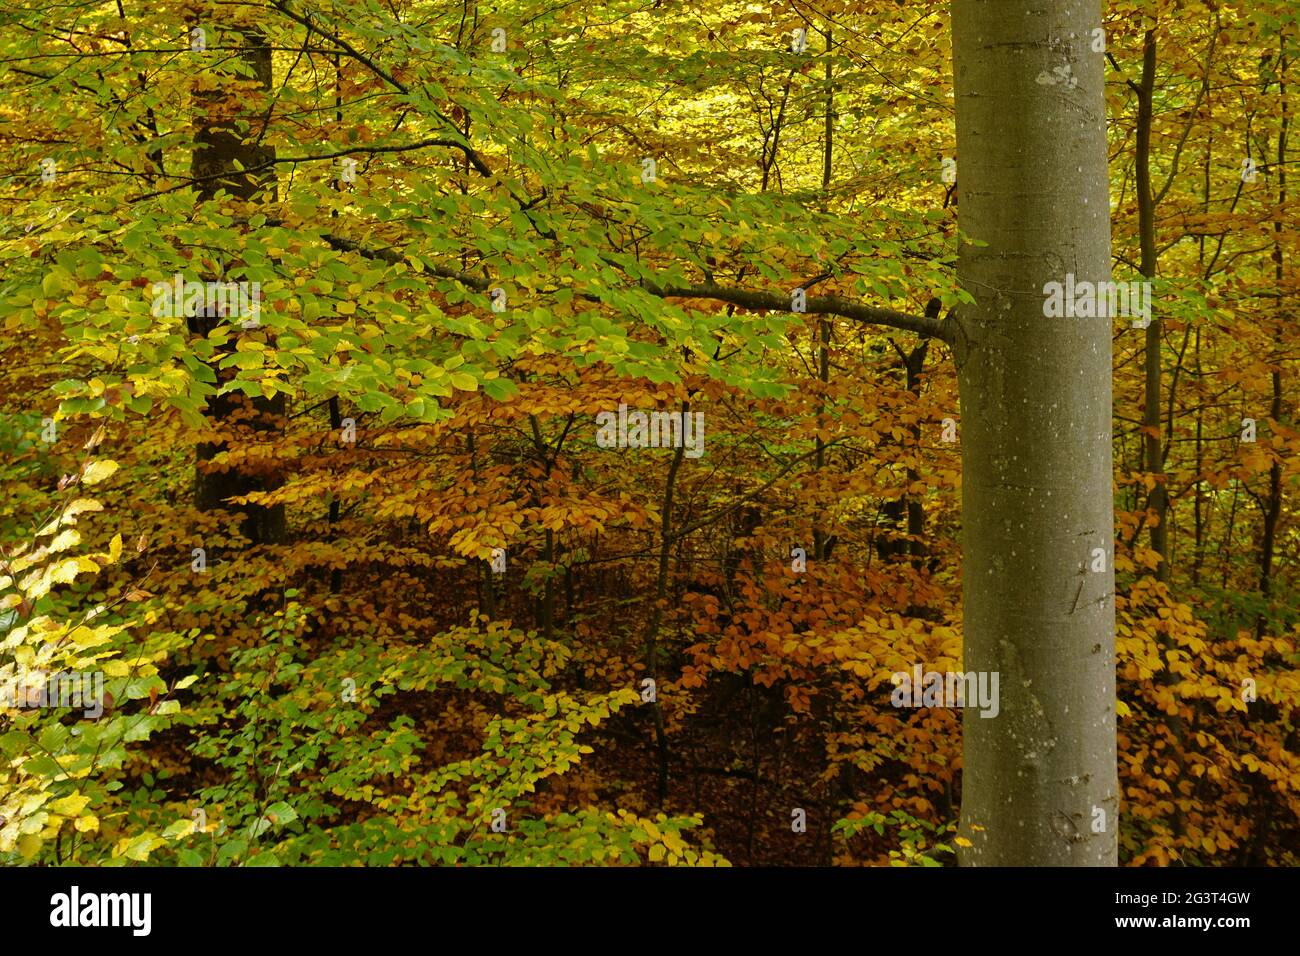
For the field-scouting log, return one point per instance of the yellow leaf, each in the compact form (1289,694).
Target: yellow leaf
(70,513)
(65,539)
(29,844)
(65,572)
(115,548)
(135,849)
(97,471)
(69,806)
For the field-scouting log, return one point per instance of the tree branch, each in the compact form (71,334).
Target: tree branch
(923,325)
(816,305)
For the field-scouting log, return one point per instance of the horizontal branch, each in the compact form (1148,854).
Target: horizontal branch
(392,257)
(749,299)
(815,304)
(353,150)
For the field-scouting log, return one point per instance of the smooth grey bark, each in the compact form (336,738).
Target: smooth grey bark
(1036,430)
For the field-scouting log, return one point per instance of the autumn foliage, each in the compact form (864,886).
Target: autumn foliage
(362,583)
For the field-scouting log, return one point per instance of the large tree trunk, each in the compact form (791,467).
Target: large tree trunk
(218,147)
(1039,778)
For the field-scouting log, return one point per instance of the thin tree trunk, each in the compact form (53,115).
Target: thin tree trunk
(1273,512)
(823,324)
(651,640)
(1158,500)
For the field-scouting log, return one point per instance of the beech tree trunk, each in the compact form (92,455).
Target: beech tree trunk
(221,147)
(1039,786)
